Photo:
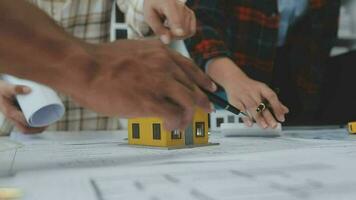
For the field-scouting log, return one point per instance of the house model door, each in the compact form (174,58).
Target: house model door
(188,136)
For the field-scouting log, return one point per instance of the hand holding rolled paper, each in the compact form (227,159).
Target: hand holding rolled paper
(42,106)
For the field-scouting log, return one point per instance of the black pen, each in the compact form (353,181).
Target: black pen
(223,103)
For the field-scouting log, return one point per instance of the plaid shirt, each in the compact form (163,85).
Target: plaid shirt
(247,32)
(90,21)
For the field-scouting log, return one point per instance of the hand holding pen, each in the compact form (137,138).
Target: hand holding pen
(261,108)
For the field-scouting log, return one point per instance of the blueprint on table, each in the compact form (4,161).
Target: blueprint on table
(239,168)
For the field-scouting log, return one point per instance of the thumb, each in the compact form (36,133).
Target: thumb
(19,89)
(9,89)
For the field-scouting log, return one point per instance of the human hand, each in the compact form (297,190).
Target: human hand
(131,79)
(170,19)
(246,93)
(11,111)
(125,78)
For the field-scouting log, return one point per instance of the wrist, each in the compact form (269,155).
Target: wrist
(76,70)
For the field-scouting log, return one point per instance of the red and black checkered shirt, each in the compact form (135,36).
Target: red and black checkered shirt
(247,32)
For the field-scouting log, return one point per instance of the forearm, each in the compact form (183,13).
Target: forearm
(210,40)
(224,71)
(34,47)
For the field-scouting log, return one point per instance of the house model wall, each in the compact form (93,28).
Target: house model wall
(150,132)
(222,116)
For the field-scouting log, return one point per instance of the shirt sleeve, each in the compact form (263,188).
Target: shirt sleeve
(210,40)
(133,9)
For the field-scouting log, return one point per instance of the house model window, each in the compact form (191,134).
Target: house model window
(219,121)
(231,119)
(156,131)
(136,131)
(199,129)
(176,135)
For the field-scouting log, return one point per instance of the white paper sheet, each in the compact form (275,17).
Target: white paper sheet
(289,175)
(42,106)
(240,168)
(65,138)
(8,151)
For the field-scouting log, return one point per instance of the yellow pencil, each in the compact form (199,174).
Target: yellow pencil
(10,194)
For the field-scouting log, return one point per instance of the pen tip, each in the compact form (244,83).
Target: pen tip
(244,114)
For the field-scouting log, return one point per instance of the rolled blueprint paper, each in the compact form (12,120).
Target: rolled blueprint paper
(42,106)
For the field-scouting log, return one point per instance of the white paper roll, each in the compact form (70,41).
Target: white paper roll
(42,106)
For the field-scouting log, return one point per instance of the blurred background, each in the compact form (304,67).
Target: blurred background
(347,28)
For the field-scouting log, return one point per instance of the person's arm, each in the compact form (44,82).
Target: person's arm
(209,42)
(28,37)
(168,19)
(209,48)
(125,78)
(246,93)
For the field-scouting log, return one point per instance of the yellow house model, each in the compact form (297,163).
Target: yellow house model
(149,132)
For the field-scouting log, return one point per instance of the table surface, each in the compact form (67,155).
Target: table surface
(302,164)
